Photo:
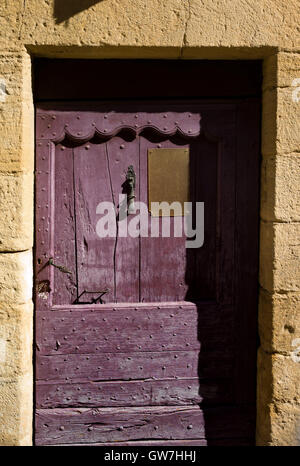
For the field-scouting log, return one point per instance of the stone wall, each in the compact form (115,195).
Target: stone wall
(175,29)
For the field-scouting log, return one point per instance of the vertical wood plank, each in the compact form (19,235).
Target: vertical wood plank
(44,224)
(65,285)
(95,256)
(163,259)
(121,154)
(247,248)
(201,272)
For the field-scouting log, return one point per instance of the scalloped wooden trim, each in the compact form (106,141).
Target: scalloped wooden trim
(57,126)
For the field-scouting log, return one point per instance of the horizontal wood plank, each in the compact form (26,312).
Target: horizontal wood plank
(133,329)
(83,425)
(145,443)
(129,366)
(133,393)
(234,442)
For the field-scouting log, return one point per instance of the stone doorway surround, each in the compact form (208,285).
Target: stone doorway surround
(241,29)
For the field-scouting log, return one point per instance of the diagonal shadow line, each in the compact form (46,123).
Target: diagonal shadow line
(65,9)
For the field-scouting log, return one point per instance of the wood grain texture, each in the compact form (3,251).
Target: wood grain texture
(140,328)
(121,154)
(233,442)
(82,425)
(104,122)
(95,263)
(137,365)
(143,443)
(44,214)
(187,391)
(163,259)
(65,285)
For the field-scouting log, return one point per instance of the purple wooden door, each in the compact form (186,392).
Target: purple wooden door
(168,354)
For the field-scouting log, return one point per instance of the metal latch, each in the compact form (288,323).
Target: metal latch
(59,267)
(93,300)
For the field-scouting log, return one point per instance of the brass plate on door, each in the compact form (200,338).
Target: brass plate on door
(168,180)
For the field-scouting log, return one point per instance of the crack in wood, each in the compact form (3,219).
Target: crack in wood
(117,224)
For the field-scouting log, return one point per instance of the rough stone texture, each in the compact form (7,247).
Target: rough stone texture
(103,23)
(239,29)
(279,321)
(281,111)
(280,188)
(281,426)
(15,277)
(16,113)
(278,420)
(16,403)
(16,332)
(280,70)
(16,214)
(241,23)
(285,424)
(284,387)
(279,256)
(281,131)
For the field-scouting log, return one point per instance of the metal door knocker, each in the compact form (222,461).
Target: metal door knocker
(130,182)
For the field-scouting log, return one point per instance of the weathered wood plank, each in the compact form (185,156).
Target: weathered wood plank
(183,443)
(65,285)
(84,425)
(133,393)
(233,442)
(44,219)
(118,424)
(121,154)
(203,167)
(135,365)
(95,255)
(163,259)
(129,329)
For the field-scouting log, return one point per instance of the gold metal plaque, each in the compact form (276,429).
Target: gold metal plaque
(168,180)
